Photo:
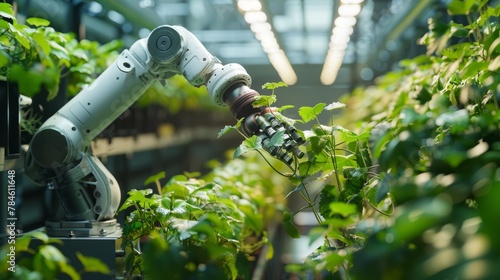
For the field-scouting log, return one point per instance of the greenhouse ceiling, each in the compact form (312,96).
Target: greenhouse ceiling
(316,41)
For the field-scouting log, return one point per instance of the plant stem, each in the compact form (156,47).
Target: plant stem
(334,162)
(380,211)
(274,168)
(305,195)
(158,187)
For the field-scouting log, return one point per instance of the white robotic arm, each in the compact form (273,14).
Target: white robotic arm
(60,157)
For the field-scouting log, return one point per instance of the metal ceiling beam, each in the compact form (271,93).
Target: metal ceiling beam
(129,9)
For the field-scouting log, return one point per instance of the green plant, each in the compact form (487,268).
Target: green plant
(88,59)
(210,227)
(410,183)
(436,147)
(337,159)
(35,56)
(22,259)
(177,94)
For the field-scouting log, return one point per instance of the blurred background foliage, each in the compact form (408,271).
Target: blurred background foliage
(434,126)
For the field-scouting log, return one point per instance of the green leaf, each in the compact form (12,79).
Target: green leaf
(38,21)
(229,128)
(362,152)
(310,167)
(310,113)
(205,227)
(153,179)
(69,270)
(250,144)
(355,178)
(80,54)
(252,218)
(60,52)
(51,81)
(284,107)
(277,139)
(333,260)
(453,157)
(399,153)
(47,260)
(274,85)
(20,36)
(191,175)
(300,187)
(290,227)
(284,119)
(473,68)
(264,100)
(6,15)
(319,143)
(30,82)
(91,264)
(327,195)
(270,251)
(459,31)
(409,116)
(109,47)
(178,190)
(343,209)
(458,121)
(85,68)
(136,196)
(40,39)
(176,179)
(490,12)
(350,136)
(335,105)
(226,130)
(6,8)
(23,243)
(39,235)
(4,59)
(460,7)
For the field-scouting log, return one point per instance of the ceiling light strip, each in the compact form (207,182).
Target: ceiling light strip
(343,28)
(257,19)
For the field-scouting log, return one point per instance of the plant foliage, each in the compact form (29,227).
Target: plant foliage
(36,56)
(210,227)
(409,174)
(38,257)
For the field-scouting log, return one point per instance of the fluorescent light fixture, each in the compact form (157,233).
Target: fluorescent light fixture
(347,21)
(270,46)
(341,35)
(349,10)
(257,19)
(352,1)
(340,39)
(260,27)
(266,35)
(343,30)
(249,5)
(254,17)
(283,67)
